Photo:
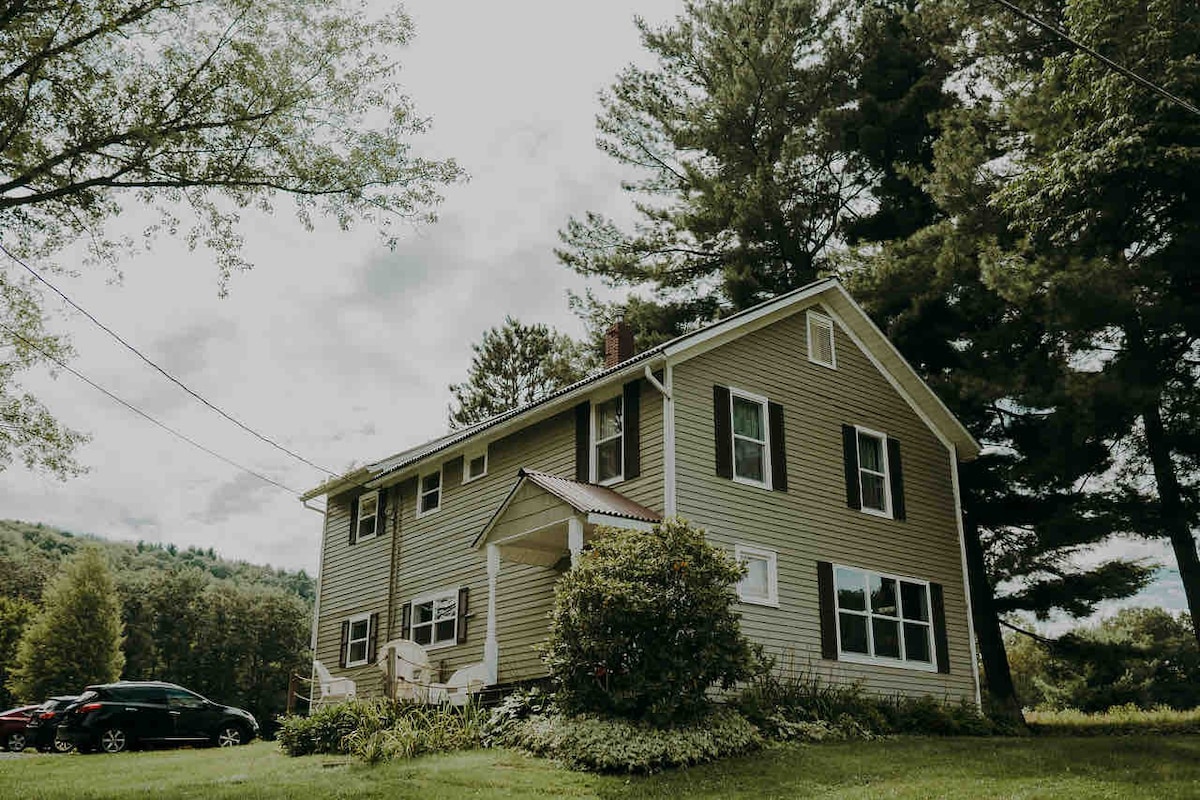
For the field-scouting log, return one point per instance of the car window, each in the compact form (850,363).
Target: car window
(182,698)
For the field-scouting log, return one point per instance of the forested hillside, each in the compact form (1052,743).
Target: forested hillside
(230,630)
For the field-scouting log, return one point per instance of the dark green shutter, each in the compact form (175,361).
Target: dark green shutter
(723,431)
(896,478)
(850,462)
(941,643)
(345,643)
(778,449)
(828,610)
(583,438)
(381,513)
(631,429)
(372,637)
(406,621)
(464,598)
(354,520)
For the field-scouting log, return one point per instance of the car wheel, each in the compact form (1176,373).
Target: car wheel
(15,742)
(230,736)
(114,740)
(63,746)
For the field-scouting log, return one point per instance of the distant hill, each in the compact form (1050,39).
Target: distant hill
(30,554)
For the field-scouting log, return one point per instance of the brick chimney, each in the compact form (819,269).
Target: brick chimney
(618,344)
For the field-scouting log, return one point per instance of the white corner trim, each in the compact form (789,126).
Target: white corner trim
(491,646)
(670,501)
(962,549)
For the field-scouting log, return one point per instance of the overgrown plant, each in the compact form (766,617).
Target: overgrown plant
(643,626)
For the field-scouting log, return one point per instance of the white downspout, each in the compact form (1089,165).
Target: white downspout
(491,645)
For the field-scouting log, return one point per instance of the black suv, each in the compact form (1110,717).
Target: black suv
(43,725)
(117,716)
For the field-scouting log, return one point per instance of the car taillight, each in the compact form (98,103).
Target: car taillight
(46,715)
(84,709)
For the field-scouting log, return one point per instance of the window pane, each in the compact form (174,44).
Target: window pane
(912,596)
(870,452)
(477,466)
(445,631)
(608,419)
(872,492)
(887,637)
(748,459)
(367,506)
(358,651)
(423,613)
(423,634)
(366,527)
(608,460)
(850,589)
(883,596)
(747,418)
(757,582)
(358,630)
(916,642)
(430,500)
(446,609)
(854,633)
(431,482)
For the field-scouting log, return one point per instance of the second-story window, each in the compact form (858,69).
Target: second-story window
(873,472)
(368,511)
(430,499)
(607,452)
(750,449)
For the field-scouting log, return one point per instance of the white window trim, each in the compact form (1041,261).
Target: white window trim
(766,442)
(808,334)
(440,594)
(885,661)
(366,640)
(358,518)
(468,457)
(594,444)
(441,490)
(887,474)
(740,552)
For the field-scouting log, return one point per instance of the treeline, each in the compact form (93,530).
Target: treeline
(232,631)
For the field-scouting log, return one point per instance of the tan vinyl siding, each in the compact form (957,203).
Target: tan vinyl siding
(811,522)
(435,551)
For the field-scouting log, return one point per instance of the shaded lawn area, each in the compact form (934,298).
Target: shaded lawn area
(1158,767)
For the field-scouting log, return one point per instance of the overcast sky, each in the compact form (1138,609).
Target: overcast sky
(332,344)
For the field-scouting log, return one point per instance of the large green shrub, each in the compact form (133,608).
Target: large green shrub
(601,744)
(643,626)
(381,730)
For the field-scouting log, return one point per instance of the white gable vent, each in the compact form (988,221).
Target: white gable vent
(820,340)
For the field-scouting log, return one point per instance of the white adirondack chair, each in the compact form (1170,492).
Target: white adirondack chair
(410,668)
(333,690)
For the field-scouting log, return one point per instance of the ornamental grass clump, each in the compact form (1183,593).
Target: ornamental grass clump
(643,627)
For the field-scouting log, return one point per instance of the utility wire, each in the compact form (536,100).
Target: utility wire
(1128,73)
(162,371)
(146,416)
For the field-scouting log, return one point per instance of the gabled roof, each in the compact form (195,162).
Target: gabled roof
(585,498)
(828,291)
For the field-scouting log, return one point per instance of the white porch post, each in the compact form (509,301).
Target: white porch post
(575,538)
(491,647)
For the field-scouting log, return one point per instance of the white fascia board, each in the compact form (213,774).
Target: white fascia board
(612,521)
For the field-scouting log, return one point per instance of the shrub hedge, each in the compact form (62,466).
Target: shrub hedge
(380,730)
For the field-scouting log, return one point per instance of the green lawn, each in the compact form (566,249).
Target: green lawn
(1141,767)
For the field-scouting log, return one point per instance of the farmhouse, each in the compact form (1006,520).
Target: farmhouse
(794,433)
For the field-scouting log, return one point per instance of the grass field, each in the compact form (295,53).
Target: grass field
(1135,767)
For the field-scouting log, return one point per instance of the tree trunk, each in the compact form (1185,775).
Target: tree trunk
(1174,515)
(1000,688)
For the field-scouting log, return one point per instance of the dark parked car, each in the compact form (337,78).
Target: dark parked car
(117,716)
(43,726)
(12,727)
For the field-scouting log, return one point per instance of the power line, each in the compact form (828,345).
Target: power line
(1128,73)
(162,371)
(146,416)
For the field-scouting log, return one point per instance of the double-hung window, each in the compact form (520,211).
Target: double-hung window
(357,640)
(873,472)
(759,585)
(366,520)
(435,619)
(608,427)
(883,618)
(475,464)
(751,451)
(430,494)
